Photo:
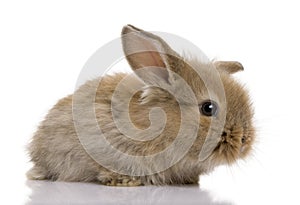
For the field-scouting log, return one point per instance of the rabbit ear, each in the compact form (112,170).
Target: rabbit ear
(146,50)
(229,66)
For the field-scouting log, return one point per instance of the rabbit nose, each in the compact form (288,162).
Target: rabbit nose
(226,133)
(243,140)
(227,136)
(224,136)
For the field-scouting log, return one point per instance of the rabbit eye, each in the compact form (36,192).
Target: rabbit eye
(209,108)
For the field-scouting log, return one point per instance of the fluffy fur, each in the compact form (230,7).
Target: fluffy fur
(57,153)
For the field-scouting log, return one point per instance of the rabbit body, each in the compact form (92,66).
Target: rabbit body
(57,151)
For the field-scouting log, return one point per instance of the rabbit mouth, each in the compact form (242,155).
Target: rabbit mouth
(231,147)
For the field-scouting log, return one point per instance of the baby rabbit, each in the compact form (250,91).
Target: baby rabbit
(112,142)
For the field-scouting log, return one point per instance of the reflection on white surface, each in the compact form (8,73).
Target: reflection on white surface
(44,192)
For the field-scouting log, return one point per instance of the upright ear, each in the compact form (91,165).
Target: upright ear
(146,50)
(229,66)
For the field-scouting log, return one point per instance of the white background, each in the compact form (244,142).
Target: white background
(44,44)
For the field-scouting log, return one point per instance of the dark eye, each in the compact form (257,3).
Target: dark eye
(209,108)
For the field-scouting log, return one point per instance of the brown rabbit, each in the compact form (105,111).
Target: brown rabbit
(201,102)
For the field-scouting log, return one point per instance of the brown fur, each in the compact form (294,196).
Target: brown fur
(57,153)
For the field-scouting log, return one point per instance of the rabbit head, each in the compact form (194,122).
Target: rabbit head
(222,105)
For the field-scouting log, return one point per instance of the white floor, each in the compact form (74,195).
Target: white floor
(79,193)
